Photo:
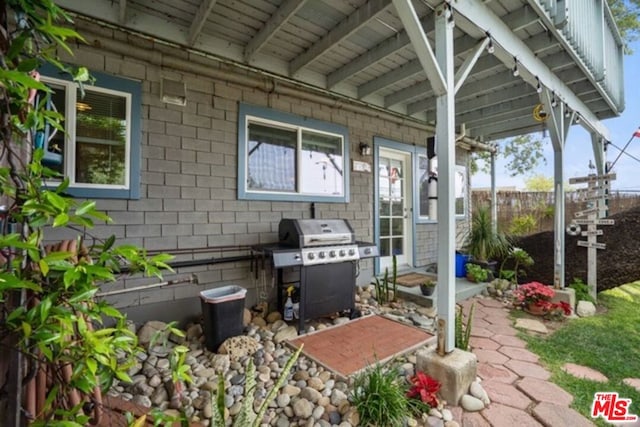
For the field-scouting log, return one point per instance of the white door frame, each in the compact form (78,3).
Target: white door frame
(396,152)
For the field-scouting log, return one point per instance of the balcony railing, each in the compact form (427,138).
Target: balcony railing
(588,28)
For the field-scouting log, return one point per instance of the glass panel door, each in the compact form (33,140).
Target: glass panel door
(394,219)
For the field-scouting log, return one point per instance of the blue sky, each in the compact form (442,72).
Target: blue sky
(578,150)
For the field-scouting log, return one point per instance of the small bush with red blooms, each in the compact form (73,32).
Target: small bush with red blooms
(425,388)
(538,295)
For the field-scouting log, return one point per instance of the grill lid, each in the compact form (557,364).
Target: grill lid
(302,233)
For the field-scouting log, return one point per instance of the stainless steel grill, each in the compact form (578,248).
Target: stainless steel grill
(312,242)
(325,253)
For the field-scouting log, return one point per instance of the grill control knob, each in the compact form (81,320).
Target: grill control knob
(311,255)
(352,252)
(322,254)
(342,252)
(332,254)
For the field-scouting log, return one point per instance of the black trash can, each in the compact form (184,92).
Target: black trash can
(222,310)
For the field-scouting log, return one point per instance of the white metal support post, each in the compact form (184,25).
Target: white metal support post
(494,195)
(558,127)
(445,136)
(441,74)
(598,145)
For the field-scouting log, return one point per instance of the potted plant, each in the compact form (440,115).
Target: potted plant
(483,243)
(534,297)
(476,273)
(427,287)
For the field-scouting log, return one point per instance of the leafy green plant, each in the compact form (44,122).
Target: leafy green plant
(379,396)
(482,242)
(581,289)
(523,225)
(247,417)
(47,307)
(520,258)
(463,330)
(476,273)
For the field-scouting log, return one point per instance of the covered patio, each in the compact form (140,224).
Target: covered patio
(467,71)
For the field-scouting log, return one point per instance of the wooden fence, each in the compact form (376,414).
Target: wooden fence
(526,213)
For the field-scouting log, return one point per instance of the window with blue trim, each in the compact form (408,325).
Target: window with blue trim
(99,150)
(287,157)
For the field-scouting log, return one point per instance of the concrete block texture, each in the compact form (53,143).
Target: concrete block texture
(455,371)
(567,295)
(189,166)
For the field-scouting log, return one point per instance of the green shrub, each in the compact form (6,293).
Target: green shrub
(521,258)
(380,397)
(523,225)
(476,273)
(581,289)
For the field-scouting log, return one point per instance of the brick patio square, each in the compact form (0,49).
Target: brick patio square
(353,346)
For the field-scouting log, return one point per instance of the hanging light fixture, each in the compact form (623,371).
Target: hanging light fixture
(538,86)
(577,118)
(516,71)
(554,103)
(567,113)
(490,48)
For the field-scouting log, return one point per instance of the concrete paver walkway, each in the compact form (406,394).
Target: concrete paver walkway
(518,386)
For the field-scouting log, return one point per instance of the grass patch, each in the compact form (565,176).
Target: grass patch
(380,396)
(608,343)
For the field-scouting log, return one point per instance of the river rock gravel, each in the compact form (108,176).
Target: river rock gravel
(312,396)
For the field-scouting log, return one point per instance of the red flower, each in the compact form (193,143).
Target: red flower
(425,388)
(534,293)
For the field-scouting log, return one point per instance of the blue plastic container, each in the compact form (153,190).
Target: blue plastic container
(461,263)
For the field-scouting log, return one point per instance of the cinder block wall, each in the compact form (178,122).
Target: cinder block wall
(189,176)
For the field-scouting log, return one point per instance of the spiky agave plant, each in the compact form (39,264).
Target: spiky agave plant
(247,417)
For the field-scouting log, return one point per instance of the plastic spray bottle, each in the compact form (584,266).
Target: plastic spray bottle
(288,306)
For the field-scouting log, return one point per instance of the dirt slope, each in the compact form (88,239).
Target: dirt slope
(619,263)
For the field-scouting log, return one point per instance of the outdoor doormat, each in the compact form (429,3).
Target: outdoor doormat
(414,279)
(351,347)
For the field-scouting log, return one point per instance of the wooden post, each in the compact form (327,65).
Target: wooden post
(596,194)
